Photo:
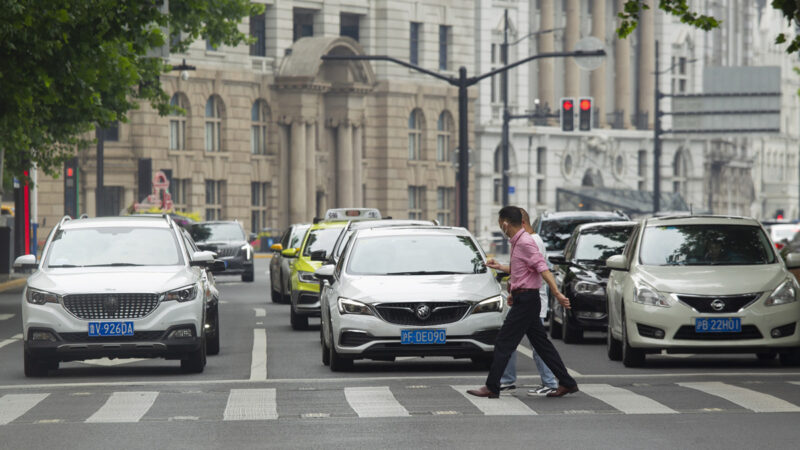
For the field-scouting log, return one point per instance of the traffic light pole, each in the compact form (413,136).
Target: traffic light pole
(656,143)
(505,131)
(463,83)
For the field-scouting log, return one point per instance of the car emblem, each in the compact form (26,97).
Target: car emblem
(111,305)
(423,311)
(718,305)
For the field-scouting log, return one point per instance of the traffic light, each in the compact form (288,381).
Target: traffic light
(71,187)
(779,214)
(567,114)
(585,114)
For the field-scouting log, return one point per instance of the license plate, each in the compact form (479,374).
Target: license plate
(718,325)
(423,336)
(110,328)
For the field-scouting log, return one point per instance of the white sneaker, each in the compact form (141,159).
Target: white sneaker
(541,390)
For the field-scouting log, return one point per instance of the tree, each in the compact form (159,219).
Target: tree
(67,66)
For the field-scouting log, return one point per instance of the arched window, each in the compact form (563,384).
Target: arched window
(444,131)
(213,124)
(415,135)
(680,173)
(259,115)
(177,122)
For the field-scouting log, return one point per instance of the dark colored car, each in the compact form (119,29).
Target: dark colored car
(556,228)
(229,241)
(212,304)
(582,275)
(280,266)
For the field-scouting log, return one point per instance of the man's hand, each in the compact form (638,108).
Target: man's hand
(563,300)
(510,300)
(492,263)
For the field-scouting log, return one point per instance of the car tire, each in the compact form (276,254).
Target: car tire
(790,359)
(212,343)
(248,276)
(569,333)
(631,357)
(35,367)
(614,347)
(276,296)
(337,362)
(326,352)
(298,322)
(195,361)
(766,356)
(483,362)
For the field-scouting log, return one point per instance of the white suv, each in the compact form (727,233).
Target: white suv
(702,284)
(117,287)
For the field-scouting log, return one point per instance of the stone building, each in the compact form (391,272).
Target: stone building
(274,135)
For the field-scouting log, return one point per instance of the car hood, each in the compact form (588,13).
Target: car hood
(595,273)
(713,280)
(403,288)
(112,279)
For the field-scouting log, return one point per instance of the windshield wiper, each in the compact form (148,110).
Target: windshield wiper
(118,264)
(428,272)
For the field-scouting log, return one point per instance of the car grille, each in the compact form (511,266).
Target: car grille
(307,299)
(406,313)
(102,306)
(222,252)
(704,304)
(687,332)
(137,336)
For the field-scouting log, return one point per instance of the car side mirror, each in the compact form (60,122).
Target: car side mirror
(253,237)
(218,266)
(26,262)
(289,252)
(319,255)
(617,262)
(792,261)
(500,276)
(557,260)
(325,273)
(276,247)
(202,258)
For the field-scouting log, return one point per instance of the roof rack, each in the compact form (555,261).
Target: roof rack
(84,216)
(66,218)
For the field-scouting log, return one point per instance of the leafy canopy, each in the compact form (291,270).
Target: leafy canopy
(66,65)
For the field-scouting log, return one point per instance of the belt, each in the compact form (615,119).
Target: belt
(522,291)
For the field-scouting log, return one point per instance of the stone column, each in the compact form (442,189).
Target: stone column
(311,170)
(297,173)
(622,75)
(344,165)
(546,91)
(647,61)
(598,76)
(358,167)
(572,33)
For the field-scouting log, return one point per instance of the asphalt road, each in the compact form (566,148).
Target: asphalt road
(268,389)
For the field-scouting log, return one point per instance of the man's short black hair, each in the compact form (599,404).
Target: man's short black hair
(512,214)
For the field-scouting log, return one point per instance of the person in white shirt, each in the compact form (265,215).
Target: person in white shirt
(549,382)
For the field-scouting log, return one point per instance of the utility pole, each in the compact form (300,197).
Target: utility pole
(505,131)
(657,143)
(99,197)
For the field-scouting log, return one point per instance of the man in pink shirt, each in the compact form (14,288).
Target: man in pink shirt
(527,270)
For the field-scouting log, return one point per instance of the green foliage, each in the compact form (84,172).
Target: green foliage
(680,8)
(66,65)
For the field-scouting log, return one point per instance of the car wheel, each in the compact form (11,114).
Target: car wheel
(569,333)
(766,356)
(298,322)
(555,327)
(337,362)
(326,355)
(483,362)
(276,296)
(248,276)
(34,367)
(212,343)
(614,346)
(195,361)
(631,357)
(790,359)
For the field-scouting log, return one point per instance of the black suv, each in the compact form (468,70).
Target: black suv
(229,241)
(555,228)
(582,275)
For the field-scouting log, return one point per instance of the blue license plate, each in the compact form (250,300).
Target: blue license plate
(718,325)
(110,328)
(423,336)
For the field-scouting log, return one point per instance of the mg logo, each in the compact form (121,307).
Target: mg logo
(111,305)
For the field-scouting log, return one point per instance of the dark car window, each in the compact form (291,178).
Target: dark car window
(556,232)
(597,244)
(705,245)
(322,239)
(222,231)
(285,237)
(415,255)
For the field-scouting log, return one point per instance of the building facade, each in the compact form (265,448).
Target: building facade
(274,135)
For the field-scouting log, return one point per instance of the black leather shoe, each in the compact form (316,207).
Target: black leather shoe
(563,390)
(483,392)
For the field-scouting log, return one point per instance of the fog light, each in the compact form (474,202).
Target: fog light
(658,334)
(783,331)
(776,333)
(42,336)
(181,333)
(650,332)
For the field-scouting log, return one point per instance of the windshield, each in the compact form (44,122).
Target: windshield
(415,255)
(217,232)
(114,246)
(599,244)
(321,240)
(556,232)
(704,245)
(297,236)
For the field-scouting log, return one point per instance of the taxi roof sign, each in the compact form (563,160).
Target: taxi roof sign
(352,214)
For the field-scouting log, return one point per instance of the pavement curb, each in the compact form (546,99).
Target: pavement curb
(13,284)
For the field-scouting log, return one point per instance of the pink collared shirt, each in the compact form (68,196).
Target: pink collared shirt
(527,262)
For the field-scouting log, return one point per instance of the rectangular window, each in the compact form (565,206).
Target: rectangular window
(258,206)
(642,163)
(348,25)
(444,205)
(303,23)
(413,43)
(416,201)
(541,153)
(214,196)
(258,32)
(497,191)
(210,46)
(109,134)
(444,36)
(179,189)
(540,194)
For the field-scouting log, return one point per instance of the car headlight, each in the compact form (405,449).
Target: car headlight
(785,293)
(183,294)
(348,306)
(306,277)
(589,288)
(246,248)
(493,304)
(38,297)
(646,295)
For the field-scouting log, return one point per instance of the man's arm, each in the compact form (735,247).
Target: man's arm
(492,263)
(548,277)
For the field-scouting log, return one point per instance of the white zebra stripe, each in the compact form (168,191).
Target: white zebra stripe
(12,406)
(746,398)
(251,404)
(503,406)
(624,400)
(374,402)
(124,407)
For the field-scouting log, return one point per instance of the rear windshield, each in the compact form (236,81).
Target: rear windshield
(415,255)
(217,232)
(599,244)
(556,232)
(705,245)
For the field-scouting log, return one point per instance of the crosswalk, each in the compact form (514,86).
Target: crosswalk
(398,401)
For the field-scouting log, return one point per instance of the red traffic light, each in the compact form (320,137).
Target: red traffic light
(586,104)
(567,105)
(69,171)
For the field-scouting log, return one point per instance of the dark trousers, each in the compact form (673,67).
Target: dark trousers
(523,319)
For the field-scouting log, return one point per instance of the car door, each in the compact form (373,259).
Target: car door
(561,274)
(275,265)
(617,282)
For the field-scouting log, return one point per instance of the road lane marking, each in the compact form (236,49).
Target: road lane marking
(258,363)
(5,342)
(17,336)
(251,404)
(6,316)
(503,406)
(376,401)
(260,312)
(13,406)
(524,350)
(624,400)
(124,407)
(746,398)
